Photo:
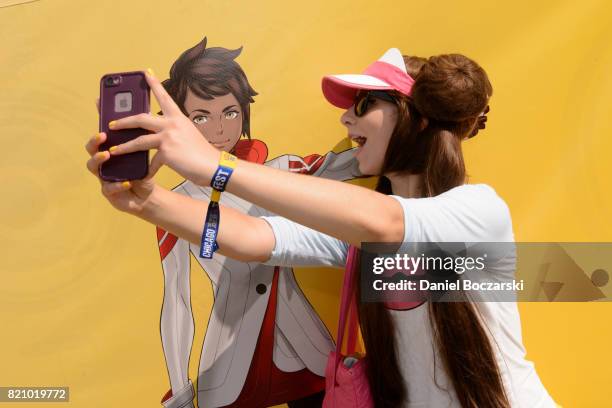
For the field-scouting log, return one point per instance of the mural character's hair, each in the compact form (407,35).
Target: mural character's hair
(208,73)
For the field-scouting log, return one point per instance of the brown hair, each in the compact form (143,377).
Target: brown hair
(211,72)
(449,93)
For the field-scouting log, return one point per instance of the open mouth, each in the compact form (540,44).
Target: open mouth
(360,140)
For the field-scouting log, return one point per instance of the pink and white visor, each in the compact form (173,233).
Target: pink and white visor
(387,73)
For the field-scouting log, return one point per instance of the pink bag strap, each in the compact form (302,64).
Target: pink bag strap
(352,329)
(348,308)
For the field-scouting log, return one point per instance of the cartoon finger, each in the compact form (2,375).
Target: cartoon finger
(166,103)
(145,142)
(142,120)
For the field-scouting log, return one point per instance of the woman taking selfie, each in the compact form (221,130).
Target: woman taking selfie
(410,130)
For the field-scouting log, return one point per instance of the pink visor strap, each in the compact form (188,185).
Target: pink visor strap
(398,79)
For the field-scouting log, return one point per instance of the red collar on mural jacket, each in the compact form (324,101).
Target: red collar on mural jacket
(251,150)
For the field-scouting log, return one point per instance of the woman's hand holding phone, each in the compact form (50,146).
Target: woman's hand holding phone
(179,144)
(128,196)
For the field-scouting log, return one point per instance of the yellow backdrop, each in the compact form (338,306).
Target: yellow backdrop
(81,284)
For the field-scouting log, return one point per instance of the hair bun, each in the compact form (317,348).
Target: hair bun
(451,88)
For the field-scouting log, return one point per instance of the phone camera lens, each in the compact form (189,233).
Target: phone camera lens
(112,80)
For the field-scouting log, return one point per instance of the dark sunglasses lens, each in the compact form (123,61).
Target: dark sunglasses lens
(383,95)
(361,104)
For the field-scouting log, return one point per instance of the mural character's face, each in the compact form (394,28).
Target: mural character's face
(372,133)
(218,119)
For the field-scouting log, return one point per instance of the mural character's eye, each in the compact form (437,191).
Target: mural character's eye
(200,119)
(231,114)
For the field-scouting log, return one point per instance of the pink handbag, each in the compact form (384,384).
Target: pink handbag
(347,387)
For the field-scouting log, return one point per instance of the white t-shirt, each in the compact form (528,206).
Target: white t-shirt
(467,213)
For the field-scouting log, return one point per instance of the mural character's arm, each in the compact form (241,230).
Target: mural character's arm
(176,308)
(336,166)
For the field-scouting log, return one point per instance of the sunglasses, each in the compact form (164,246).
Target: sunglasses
(363,99)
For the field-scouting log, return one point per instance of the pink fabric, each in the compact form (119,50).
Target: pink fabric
(395,77)
(396,300)
(351,388)
(342,93)
(347,387)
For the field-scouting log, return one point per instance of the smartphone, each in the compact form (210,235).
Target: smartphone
(123,94)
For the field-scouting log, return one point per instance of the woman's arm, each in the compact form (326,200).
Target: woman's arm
(241,236)
(350,213)
(276,241)
(271,239)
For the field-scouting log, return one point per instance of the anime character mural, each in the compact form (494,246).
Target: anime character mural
(264,344)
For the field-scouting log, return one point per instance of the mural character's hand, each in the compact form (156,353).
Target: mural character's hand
(178,142)
(128,196)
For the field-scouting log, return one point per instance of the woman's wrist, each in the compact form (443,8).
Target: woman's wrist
(208,168)
(151,206)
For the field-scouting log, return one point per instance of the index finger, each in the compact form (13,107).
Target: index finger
(145,142)
(166,102)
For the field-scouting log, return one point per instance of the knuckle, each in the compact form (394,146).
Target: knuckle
(171,137)
(108,189)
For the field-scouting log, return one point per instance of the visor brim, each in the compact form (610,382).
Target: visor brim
(340,90)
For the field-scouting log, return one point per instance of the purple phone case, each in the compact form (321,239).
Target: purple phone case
(131,166)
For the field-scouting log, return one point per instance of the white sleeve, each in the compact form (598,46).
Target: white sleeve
(468,213)
(297,245)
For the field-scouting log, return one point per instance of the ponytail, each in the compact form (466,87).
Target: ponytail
(445,167)
(449,95)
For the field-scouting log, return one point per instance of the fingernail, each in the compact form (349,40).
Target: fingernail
(112,149)
(150,71)
(99,155)
(112,124)
(126,184)
(98,137)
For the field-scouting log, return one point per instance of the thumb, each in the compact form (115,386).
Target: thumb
(155,165)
